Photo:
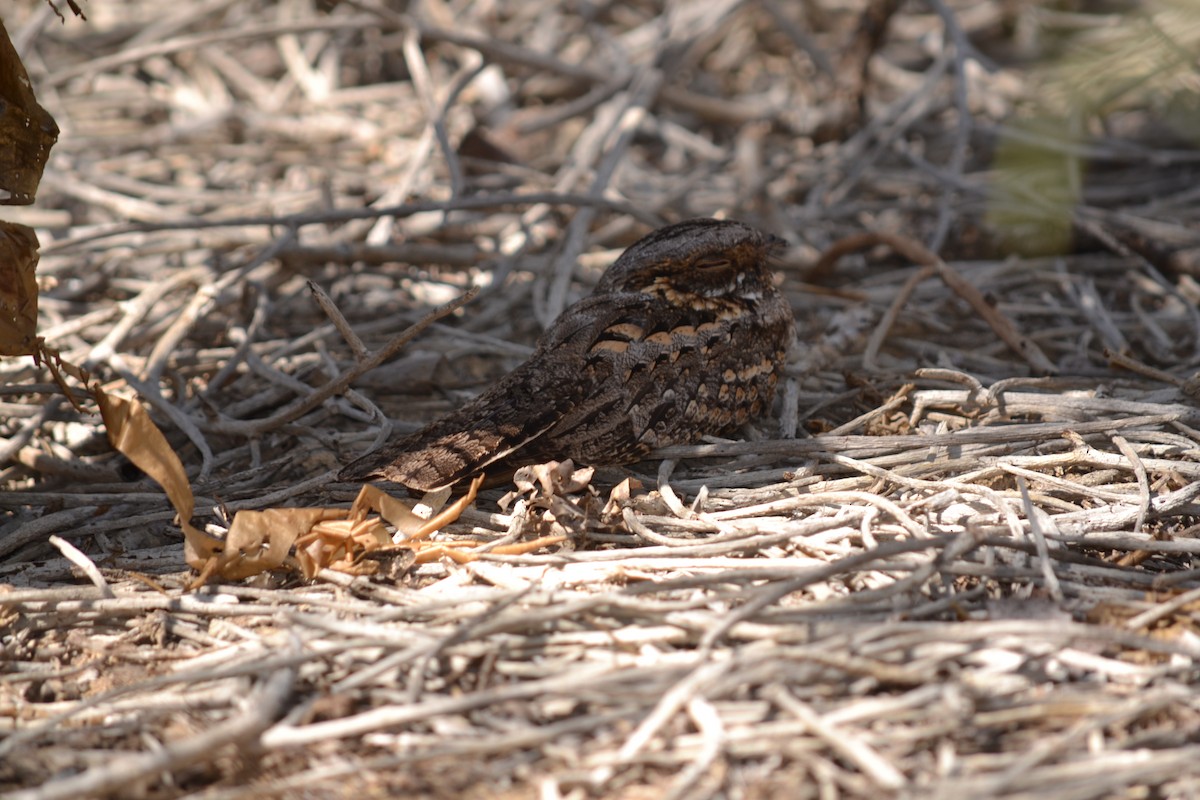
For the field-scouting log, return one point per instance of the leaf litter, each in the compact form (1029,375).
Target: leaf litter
(959,563)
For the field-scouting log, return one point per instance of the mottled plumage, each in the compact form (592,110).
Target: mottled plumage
(684,336)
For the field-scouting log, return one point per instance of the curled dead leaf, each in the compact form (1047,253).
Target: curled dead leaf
(617,499)
(260,540)
(551,479)
(18,290)
(134,434)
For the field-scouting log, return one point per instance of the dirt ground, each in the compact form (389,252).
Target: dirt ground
(957,560)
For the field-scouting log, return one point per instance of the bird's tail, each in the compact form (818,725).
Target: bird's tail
(494,426)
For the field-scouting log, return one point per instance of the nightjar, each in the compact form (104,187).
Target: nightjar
(684,336)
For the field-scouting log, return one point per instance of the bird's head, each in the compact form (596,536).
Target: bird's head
(697,258)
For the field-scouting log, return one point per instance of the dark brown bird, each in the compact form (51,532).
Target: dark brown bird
(684,336)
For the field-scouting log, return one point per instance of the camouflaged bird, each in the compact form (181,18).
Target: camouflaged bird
(684,336)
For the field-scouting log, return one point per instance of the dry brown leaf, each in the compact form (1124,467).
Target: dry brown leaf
(341,543)
(451,512)
(26,129)
(261,540)
(372,498)
(561,478)
(618,498)
(544,481)
(257,541)
(18,290)
(134,434)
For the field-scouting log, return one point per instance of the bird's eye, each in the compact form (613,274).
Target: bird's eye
(712,263)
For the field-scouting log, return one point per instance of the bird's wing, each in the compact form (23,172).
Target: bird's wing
(498,424)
